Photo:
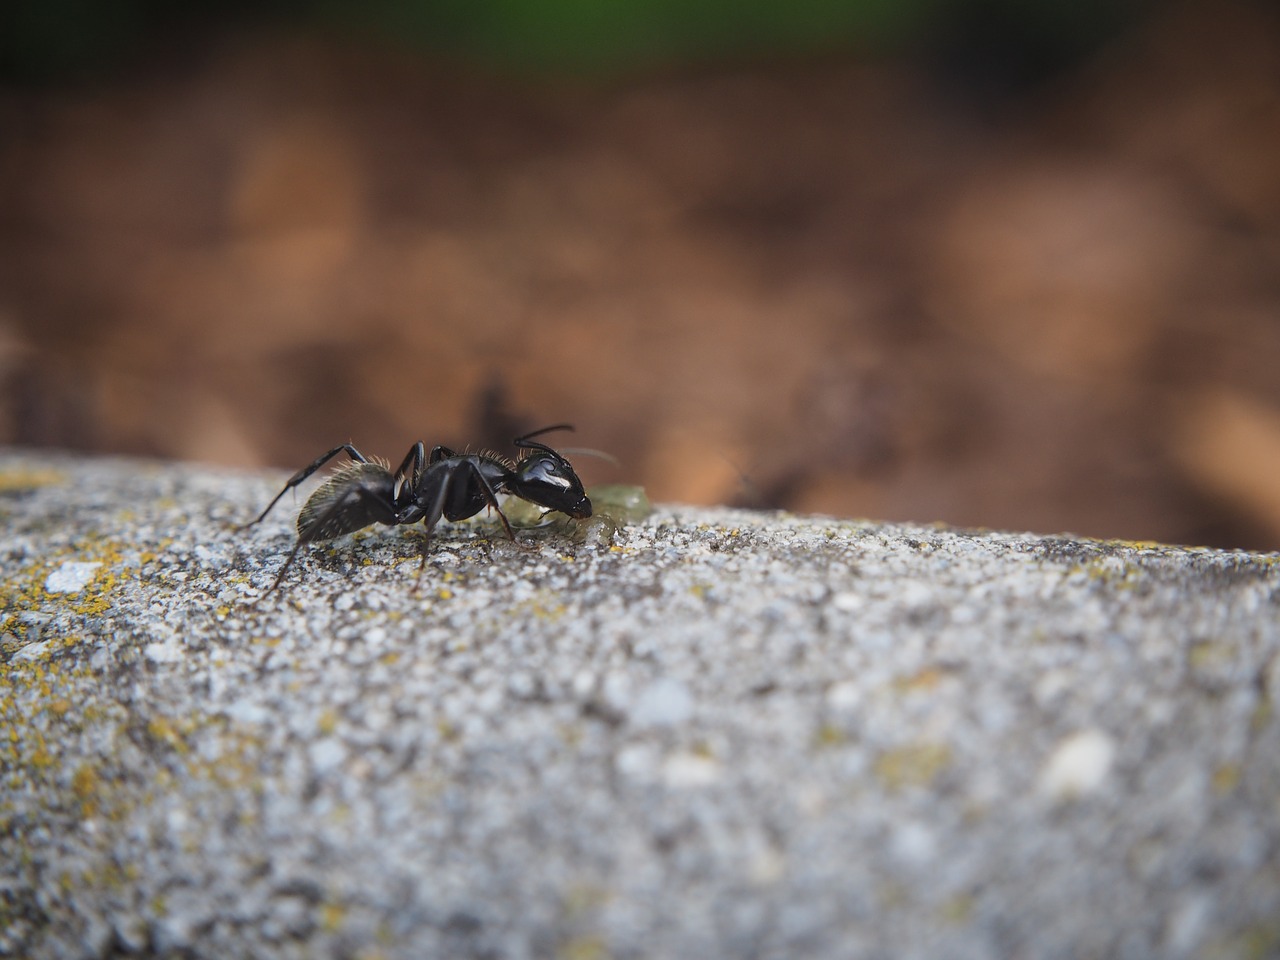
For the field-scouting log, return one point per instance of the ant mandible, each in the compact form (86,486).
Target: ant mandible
(448,484)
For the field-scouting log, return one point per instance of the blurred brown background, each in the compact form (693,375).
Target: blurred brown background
(879,280)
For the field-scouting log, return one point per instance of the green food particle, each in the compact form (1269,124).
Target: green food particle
(623,502)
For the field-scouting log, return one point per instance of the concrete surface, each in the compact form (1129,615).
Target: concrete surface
(706,733)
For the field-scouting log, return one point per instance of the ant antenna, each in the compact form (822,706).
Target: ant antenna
(520,441)
(590,452)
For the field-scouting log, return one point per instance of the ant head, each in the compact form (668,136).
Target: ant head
(546,478)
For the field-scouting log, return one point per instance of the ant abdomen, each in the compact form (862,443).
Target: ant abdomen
(353,497)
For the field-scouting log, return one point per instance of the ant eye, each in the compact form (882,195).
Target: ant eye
(546,470)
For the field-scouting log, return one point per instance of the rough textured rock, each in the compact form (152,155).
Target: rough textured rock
(707,733)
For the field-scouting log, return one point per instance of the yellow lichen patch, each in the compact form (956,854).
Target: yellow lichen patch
(331,916)
(958,909)
(1210,656)
(1261,716)
(26,590)
(235,764)
(328,722)
(97,597)
(829,735)
(86,785)
(920,682)
(584,948)
(912,765)
(12,481)
(1226,778)
(543,604)
(580,899)
(164,732)
(1258,942)
(1112,571)
(38,722)
(893,896)
(40,758)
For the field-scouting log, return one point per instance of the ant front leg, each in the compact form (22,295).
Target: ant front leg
(445,490)
(490,497)
(429,499)
(307,471)
(413,459)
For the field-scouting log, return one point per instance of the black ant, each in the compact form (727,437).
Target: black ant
(448,484)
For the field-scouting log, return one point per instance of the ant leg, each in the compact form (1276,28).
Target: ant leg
(414,459)
(491,497)
(451,474)
(307,471)
(338,506)
(435,511)
(275,584)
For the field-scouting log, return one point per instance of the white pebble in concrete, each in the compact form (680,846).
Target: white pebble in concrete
(1078,766)
(72,577)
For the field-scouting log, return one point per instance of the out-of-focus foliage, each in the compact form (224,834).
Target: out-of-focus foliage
(606,34)
(50,38)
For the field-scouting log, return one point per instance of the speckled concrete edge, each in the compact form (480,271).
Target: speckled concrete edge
(705,733)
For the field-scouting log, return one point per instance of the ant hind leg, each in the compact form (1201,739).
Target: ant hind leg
(307,471)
